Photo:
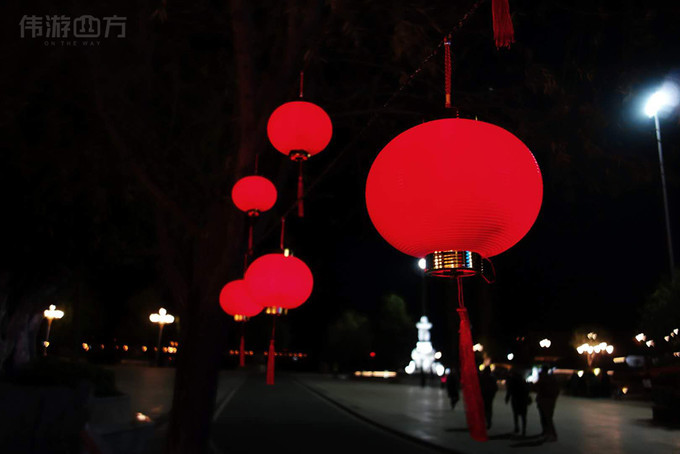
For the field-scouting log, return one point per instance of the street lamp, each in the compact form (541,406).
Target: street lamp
(50,314)
(591,349)
(162,318)
(663,98)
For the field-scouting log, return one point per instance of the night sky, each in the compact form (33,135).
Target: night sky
(571,88)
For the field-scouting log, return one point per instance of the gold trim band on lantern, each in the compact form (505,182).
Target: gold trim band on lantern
(453,263)
(273,310)
(298,155)
(240,318)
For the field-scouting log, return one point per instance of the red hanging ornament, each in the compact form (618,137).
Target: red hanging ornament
(454,185)
(279,282)
(455,191)
(236,301)
(299,129)
(253,194)
(503,31)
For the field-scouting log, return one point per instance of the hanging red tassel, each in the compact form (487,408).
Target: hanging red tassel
(300,194)
(503,31)
(472,394)
(270,363)
(242,353)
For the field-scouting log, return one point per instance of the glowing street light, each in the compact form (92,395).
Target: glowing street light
(50,314)
(591,350)
(162,318)
(662,99)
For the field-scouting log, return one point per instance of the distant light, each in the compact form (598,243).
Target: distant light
(510,356)
(440,370)
(53,313)
(650,343)
(675,331)
(286,252)
(579,373)
(619,359)
(667,96)
(597,371)
(545,343)
(86,347)
(372,354)
(641,337)
(46,343)
(421,264)
(438,355)
(478,348)
(624,390)
(667,338)
(592,335)
(141,417)
(411,368)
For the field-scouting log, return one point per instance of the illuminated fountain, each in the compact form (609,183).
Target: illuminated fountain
(423,357)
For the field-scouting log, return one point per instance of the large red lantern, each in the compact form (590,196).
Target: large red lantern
(254,194)
(299,129)
(279,282)
(236,301)
(455,191)
(454,185)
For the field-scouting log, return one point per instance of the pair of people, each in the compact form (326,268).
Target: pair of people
(547,390)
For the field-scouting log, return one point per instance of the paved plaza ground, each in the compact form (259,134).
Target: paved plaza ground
(419,418)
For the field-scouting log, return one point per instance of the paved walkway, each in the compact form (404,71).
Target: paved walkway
(423,414)
(583,425)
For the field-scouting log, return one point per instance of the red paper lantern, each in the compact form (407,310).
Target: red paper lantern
(254,194)
(277,280)
(299,129)
(236,300)
(454,185)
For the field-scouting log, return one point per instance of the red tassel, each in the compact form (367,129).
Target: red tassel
(242,353)
(472,394)
(300,194)
(503,31)
(270,363)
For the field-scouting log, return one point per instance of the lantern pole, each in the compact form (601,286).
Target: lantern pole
(665,195)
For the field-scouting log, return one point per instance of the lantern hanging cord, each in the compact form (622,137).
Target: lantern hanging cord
(302,84)
(283,230)
(447,71)
(492,278)
(352,145)
(459,284)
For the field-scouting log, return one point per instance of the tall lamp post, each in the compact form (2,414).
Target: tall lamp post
(162,318)
(50,314)
(659,100)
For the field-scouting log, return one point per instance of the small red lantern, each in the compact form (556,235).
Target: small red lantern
(279,282)
(299,129)
(235,300)
(455,191)
(254,194)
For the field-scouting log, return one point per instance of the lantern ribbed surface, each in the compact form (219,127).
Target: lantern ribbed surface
(236,300)
(454,184)
(299,125)
(254,193)
(279,281)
